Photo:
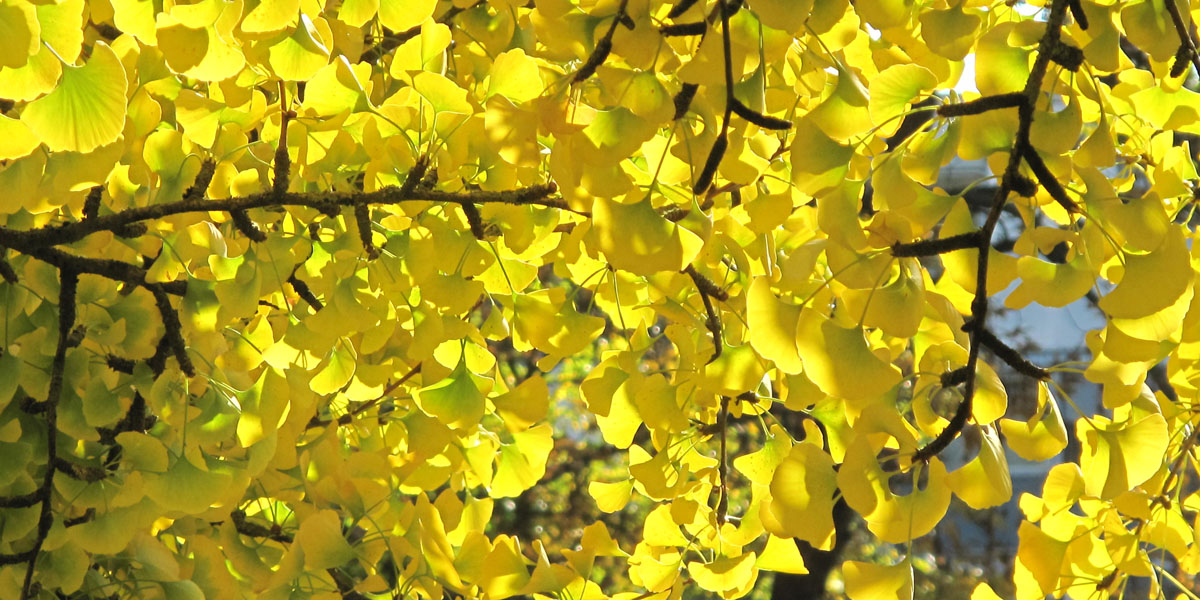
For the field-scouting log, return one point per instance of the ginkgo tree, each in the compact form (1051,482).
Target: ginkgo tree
(259,256)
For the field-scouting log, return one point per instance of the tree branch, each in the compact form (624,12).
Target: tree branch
(920,248)
(713,322)
(1185,37)
(979,305)
(982,105)
(68,283)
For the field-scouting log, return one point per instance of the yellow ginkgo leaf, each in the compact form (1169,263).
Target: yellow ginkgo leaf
(16,139)
(656,402)
(894,518)
(655,568)
(844,113)
(611,497)
(547,320)
(984,482)
(1166,270)
(338,87)
(521,464)
(186,488)
(399,15)
(950,32)
(337,371)
(1041,555)
(86,110)
(840,361)
(738,369)
(321,539)
(424,52)
(962,265)
(271,16)
(525,404)
(19,34)
(655,476)
(724,574)
(621,421)
(435,549)
(264,406)
(516,76)
(869,581)
(802,494)
(61,25)
(198,40)
(1115,457)
(983,591)
(36,77)
(784,15)
(999,67)
(896,308)
(772,325)
(782,556)
(1041,436)
(818,161)
(355,13)
(637,239)
(760,466)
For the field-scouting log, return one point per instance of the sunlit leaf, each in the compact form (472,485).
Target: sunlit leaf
(868,581)
(86,110)
(457,400)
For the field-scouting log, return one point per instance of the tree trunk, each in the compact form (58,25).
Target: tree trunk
(811,585)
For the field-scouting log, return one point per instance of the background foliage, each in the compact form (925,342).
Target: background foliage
(290,287)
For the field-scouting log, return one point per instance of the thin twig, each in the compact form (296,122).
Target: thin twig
(347,418)
(723,464)
(1185,37)
(603,47)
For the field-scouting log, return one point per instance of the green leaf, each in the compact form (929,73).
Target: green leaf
(86,110)
(895,88)
(521,464)
(458,400)
(299,56)
(337,372)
